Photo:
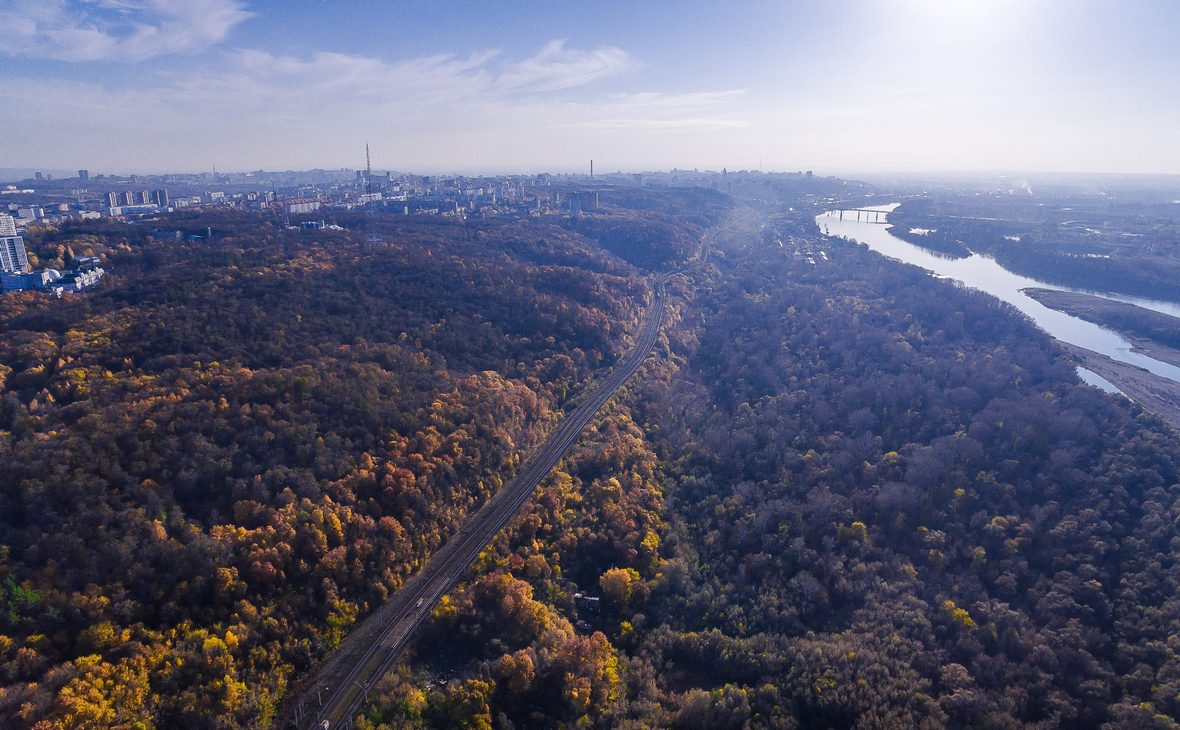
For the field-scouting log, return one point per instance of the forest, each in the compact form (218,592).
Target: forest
(830,505)
(218,462)
(826,502)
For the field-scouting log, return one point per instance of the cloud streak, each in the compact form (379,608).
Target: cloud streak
(278,110)
(126,30)
(557,67)
(262,79)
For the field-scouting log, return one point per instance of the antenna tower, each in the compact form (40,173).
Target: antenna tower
(371,236)
(278,207)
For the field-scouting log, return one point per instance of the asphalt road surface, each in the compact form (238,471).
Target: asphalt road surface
(342,683)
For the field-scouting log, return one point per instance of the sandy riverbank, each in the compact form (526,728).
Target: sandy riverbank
(1159,395)
(1153,392)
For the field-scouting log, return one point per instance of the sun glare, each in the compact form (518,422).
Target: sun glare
(959,20)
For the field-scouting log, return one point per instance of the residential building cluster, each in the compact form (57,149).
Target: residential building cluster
(50,201)
(303,200)
(294,197)
(415,195)
(16,274)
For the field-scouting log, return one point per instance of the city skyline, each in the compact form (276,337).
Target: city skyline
(890,85)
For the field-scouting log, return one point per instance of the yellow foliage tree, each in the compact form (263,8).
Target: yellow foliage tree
(618,584)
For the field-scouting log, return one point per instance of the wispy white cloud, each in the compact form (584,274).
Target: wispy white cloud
(265,81)
(273,109)
(557,67)
(261,82)
(130,30)
(431,79)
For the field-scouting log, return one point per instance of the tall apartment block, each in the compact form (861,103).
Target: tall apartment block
(13,259)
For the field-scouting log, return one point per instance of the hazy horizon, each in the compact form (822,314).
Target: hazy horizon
(882,87)
(22,174)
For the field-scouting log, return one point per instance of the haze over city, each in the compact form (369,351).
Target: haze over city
(152,86)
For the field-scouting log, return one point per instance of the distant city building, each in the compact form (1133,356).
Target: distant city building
(83,174)
(585,200)
(14,267)
(22,281)
(145,198)
(160,197)
(113,200)
(303,208)
(52,280)
(13,259)
(128,198)
(40,176)
(167,234)
(78,279)
(132,209)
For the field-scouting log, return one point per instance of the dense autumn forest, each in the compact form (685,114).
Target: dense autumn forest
(850,496)
(843,495)
(215,464)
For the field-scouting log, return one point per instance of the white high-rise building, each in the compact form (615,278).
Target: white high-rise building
(7,225)
(13,259)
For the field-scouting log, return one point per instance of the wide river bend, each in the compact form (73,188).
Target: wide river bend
(983,273)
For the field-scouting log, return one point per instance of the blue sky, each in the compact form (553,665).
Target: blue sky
(838,86)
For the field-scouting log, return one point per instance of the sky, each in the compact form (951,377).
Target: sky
(836,86)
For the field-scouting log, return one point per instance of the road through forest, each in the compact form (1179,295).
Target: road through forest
(341,684)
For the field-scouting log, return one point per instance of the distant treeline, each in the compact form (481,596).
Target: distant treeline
(1151,277)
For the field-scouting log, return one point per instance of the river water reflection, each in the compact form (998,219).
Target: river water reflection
(983,273)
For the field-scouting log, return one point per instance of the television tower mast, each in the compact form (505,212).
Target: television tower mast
(371,237)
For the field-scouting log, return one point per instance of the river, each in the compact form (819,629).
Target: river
(983,273)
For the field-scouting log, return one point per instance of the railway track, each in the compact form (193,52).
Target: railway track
(343,682)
